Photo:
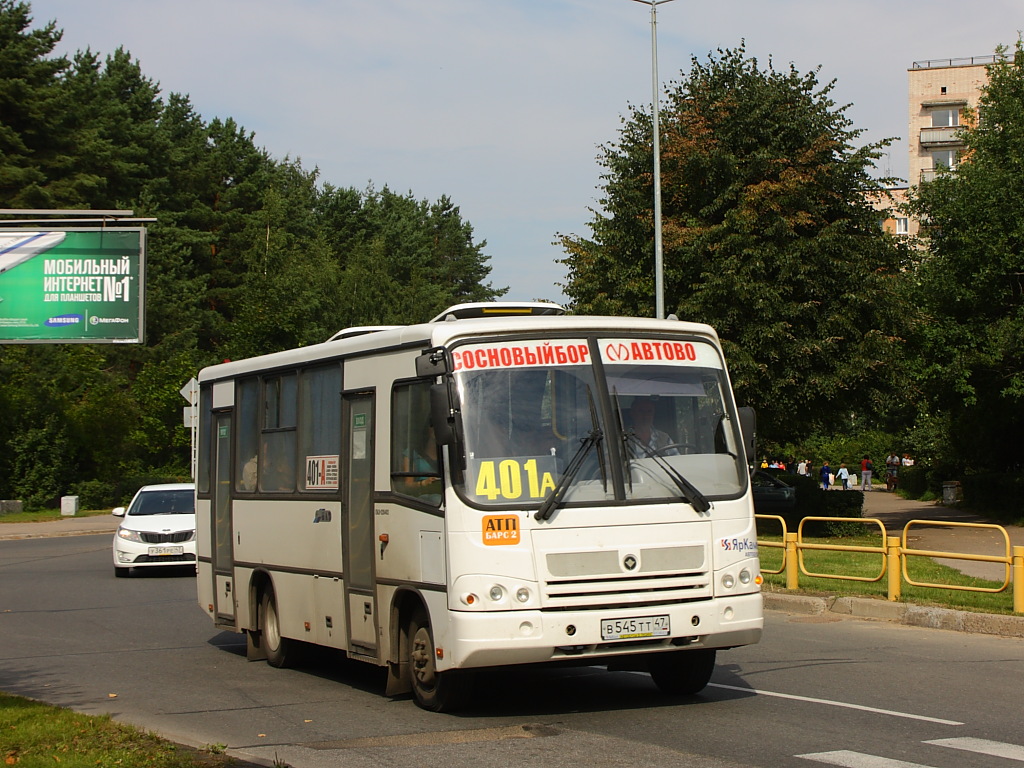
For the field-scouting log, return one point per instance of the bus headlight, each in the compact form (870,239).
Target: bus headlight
(728,581)
(744,576)
(497,594)
(523,595)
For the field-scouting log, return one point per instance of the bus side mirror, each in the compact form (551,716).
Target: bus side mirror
(432,363)
(748,427)
(443,414)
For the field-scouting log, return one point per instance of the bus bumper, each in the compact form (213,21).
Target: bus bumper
(529,637)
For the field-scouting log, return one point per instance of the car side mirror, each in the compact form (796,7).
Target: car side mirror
(118,512)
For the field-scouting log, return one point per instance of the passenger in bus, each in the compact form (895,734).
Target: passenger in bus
(647,438)
(248,481)
(423,458)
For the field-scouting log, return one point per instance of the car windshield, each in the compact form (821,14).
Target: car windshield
(648,420)
(177,502)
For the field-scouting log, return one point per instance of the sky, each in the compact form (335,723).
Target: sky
(502,105)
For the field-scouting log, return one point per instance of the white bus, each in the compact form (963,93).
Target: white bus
(503,485)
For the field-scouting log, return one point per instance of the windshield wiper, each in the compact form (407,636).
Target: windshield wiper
(689,491)
(554,498)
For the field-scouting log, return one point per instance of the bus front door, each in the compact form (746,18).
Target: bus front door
(223,529)
(359,523)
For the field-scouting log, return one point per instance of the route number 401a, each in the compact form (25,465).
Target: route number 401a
(510,479)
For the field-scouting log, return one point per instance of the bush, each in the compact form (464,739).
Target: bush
(812,501)
(996,495)
(94,494)
(913,481)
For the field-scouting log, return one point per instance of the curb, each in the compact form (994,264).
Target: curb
(926,617)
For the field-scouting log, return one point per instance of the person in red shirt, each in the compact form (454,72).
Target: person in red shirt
(866,468)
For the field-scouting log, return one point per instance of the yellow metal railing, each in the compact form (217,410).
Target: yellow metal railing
(894,554)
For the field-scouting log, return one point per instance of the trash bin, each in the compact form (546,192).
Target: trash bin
(69,506)
(951,492)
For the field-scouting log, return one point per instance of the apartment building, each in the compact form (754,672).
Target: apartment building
(939,91)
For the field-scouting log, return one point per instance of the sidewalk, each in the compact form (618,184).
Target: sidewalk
(895,512)
(66,526)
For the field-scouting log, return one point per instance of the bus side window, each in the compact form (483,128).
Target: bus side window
(277,444)
(415,468)
(320,425)
(247,434)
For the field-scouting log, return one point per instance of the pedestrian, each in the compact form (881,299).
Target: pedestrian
(826,475)
(907,461)
(866,468)
(801,468)
(843,476)
(892,467)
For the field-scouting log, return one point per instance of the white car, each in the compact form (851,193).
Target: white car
(159,528)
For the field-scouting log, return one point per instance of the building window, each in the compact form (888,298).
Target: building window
(902,226)
(944,158)
(945,118)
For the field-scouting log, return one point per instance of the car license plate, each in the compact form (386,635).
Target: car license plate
(165,551)
(635,627)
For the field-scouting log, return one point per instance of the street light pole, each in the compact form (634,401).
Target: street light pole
(659,259)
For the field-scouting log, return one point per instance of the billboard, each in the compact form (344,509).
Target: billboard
(72,285)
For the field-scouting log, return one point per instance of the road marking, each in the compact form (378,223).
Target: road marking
(831,703)
(848,759)
(983,747)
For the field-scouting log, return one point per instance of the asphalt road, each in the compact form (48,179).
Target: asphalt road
(815,691)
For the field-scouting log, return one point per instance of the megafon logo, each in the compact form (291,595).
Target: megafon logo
(616,352)
(62,320)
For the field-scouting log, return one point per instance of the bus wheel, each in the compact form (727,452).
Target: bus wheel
(279,649)
(433,690)
(682,673)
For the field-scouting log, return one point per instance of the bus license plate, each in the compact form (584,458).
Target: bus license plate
(636,627)
(165,551)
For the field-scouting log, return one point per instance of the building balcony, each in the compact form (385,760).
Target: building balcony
(930,174)
(942,136)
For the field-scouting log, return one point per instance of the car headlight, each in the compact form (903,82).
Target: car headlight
(129,535)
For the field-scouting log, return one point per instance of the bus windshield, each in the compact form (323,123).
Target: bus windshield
(644,421)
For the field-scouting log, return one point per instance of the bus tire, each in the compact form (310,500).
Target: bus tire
(682,673)
(434,691)
(279,650)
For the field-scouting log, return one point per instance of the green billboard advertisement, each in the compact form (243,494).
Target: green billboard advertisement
(72,285)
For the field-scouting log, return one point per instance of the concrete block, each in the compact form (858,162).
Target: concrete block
(68,506)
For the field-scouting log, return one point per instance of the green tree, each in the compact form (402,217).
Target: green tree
(971,282)
(768,237)
(31,106)
(404,260)
(248,255)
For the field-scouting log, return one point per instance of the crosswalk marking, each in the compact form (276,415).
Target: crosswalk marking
(983,746)
(848,759)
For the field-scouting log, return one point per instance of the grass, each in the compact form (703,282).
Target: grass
(46,515)
(33,734)
(869,565)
